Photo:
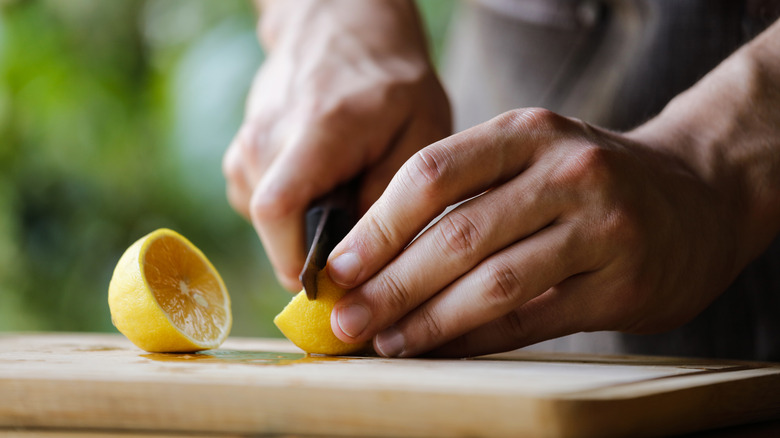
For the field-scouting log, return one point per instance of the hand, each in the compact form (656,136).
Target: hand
(573,228)
(347,89)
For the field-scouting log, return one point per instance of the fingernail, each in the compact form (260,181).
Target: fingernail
(390,342)
(344,269)
(353,319)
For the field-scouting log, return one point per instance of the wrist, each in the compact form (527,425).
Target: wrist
(382,24)
(279,17)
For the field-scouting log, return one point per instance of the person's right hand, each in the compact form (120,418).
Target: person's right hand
(567,227)
(347,89)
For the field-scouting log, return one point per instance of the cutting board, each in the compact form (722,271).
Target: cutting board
(101,382)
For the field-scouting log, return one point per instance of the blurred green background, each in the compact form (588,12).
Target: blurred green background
(114,116)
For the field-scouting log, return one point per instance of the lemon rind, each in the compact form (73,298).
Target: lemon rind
(163,335)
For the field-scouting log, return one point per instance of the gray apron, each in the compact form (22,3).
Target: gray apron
(616,63)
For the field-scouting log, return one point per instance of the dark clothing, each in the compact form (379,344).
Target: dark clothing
(616,63)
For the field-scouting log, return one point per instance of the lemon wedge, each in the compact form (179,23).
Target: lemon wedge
(307,323)
(165,296)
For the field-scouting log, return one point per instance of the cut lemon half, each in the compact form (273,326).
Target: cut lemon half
(307,323)
(165,296)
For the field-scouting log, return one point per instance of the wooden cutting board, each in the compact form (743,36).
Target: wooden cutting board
(101,382)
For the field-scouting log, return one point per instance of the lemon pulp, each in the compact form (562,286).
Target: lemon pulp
(165,296)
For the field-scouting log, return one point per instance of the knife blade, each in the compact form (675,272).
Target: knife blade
(328,220)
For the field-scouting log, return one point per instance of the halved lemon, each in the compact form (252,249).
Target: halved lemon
(307,323)
(165,296)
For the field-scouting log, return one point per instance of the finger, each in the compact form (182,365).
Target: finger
(440,175)
(454,245)
(494,288)
(239,190)
(428,124)
(315,160)
(255,141)
(560,311)
(245,161)
(277,211)
(419,133)
(278,222)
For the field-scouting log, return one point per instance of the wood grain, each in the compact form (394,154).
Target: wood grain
(260,386)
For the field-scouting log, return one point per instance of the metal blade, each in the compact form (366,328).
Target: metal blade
(317,257)
(328,220)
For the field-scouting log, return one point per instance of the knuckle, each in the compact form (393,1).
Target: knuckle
(335,112)
(381,232)
(587,166)
(238,199)
(514,327)
(501,285)
(395,91)
(430,323)
(622,225)
(529,120)
(459,233)
(618,231)
(395,296)
(231,165)
(269,206)
(246,143)
(251,135)
(428,170)
(595,160)
(316,108)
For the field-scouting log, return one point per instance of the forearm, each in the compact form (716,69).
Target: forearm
(727,129)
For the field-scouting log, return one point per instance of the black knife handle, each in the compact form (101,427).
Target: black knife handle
(341,207)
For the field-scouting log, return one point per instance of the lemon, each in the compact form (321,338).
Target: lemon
(165,296)
(307,323)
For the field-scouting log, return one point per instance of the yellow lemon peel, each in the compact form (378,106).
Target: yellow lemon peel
(307,323)
(165,296)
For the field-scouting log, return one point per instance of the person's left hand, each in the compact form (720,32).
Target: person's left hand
(570,228)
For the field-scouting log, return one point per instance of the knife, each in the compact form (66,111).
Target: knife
(328,220)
